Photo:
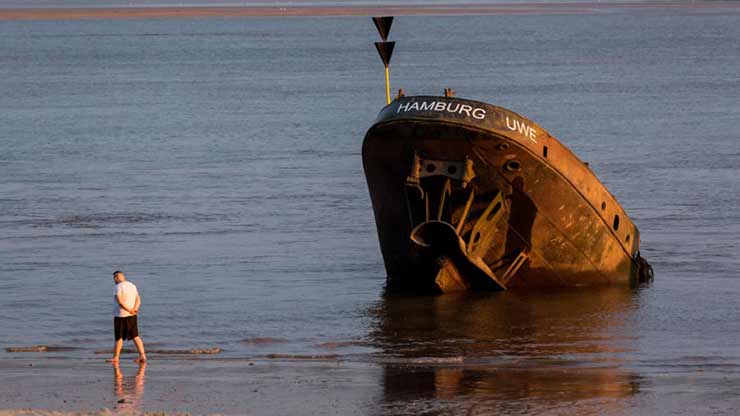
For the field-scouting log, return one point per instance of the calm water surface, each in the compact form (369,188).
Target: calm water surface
(217,162)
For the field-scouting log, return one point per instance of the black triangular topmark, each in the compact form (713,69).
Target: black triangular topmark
(385,49)
(384,25)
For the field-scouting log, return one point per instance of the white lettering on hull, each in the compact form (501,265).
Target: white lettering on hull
(442,107)
(522,128)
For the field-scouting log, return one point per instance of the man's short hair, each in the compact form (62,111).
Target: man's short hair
(117,272)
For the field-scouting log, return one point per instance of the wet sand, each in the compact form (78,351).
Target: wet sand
(56,387)
(60,386)
(486,9)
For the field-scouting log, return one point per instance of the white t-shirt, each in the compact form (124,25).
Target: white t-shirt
(128,294)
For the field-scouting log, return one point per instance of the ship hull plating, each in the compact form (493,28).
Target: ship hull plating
(471,196)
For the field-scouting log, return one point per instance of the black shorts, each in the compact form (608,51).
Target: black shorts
(126,328)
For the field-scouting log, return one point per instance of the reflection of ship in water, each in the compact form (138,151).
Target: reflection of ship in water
(490,351)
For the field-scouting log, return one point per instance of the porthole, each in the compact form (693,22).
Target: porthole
(544,152)
(513,166)
(603,206)
(452,169)
(616,223)
(502,146)
(431,168)
(627,239)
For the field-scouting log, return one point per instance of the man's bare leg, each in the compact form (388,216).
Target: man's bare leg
(116,351)
(140,347)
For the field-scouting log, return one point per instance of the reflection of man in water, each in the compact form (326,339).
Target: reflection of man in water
(126,302)
(128,397)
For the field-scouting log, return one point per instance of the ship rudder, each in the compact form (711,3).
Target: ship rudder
(439,242)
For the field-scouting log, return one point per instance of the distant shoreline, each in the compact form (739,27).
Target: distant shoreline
(300,11)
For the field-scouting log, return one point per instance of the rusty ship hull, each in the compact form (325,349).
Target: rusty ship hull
(467,195)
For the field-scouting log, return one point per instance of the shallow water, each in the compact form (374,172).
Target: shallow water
(217,162)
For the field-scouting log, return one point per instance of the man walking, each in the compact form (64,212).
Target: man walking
(126,302)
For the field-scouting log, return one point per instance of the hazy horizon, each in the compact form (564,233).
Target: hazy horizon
(287,3)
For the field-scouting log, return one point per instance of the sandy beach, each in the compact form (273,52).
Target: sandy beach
(178,385)
(288,11)
(213,386)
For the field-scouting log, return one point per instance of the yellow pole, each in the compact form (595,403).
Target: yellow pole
(387,86)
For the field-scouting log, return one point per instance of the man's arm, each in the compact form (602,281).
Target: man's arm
(137,304)
(120,302)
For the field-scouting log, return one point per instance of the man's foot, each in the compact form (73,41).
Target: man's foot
(140,360)
(113,360)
